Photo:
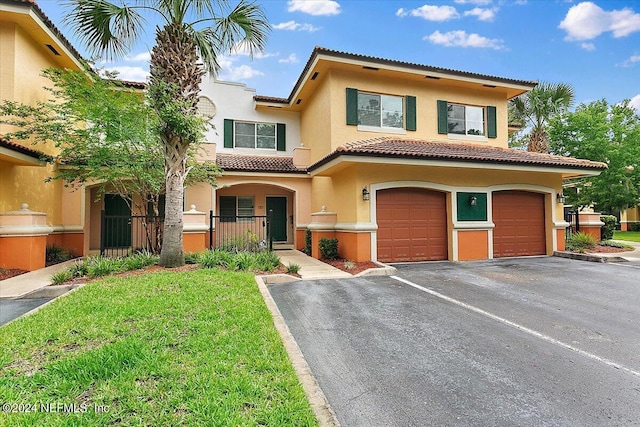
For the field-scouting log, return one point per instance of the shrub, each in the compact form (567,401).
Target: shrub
(102,266)
(79,269)
(192,257)
(328,248)
(244,261)
(307,242)
(293,268)
(137,261)
(247,242)
(349,265)
(215,258)
(61,276)
(267,261)
(613,244)
(634,226)
(56,254)
(579,242)
(610,223)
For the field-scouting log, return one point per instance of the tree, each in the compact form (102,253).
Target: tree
(193,31)
(536,107)
(106,134)
(605,133)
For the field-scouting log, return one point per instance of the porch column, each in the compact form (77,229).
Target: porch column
(323,224)
(195,229)
(590,224)
(23,239)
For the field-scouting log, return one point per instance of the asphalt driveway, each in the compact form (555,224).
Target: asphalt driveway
(537,341)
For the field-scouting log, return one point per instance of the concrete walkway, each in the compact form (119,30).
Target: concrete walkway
(23,284)
(310,268)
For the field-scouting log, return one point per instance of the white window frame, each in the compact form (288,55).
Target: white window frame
(388,129)
(255,135)
(465,135)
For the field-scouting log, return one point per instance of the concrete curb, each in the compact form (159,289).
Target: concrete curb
(588,257)
(70,290)
(321,408)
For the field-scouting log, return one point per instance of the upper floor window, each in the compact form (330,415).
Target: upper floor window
(380,110)
(256,135)
(471,121)
(465,119)
(382,113)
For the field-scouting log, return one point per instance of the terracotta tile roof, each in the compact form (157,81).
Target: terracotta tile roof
(428,150)
(239,163)
(5,143)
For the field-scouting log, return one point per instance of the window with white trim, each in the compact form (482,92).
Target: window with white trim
(254,135)
(384,111)
(232,207)
(465,120)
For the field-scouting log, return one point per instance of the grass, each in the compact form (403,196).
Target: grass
(630,236)
(189,348)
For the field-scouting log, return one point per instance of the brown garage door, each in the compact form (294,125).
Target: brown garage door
(412,225)
(519,224)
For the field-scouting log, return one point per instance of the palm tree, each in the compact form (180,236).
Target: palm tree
(537,106)
(193,34)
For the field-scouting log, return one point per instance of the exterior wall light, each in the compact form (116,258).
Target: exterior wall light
(365,193)
(560,198)
(473,200)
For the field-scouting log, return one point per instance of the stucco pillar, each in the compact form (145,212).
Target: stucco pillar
(323,224)
(195,229)
(590,224)
(23,239)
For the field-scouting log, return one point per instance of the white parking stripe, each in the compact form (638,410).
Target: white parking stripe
(519,327)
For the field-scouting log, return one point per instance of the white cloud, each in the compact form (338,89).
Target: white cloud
(586,21)
(291,59)
(314,7)
(295,26)
(242,49)
(431,13)
(478,2)
(588,46)
(140,57)
(462,39)
(631,61)
(482,14)
(133,74)
(635,102)
(242,72)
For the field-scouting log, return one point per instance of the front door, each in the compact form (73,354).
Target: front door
(279,219)
(117,222)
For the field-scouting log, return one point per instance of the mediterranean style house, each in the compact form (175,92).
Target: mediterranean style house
(398,161)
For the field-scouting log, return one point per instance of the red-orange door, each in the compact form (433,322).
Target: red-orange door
(412,225)
(519,224)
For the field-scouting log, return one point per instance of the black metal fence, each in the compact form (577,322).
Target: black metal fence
(240,233)
(572,218)
(123,235)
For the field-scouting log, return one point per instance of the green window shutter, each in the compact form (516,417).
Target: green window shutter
(228,133)
(352,106)
(228,210)
(411,112)
(492,125)
(443,125)
(281,133)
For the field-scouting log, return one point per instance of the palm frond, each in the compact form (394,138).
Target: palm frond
(105,28)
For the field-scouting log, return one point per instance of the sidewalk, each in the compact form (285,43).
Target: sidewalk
(310,268)
(28,282)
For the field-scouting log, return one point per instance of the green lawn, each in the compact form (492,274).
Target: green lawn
(630,236)
(169,348)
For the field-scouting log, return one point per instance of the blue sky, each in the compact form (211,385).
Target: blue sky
(594,46)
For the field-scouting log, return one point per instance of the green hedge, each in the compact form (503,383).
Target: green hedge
(610,223)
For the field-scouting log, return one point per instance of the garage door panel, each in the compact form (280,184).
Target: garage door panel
(519,219)
(416,230)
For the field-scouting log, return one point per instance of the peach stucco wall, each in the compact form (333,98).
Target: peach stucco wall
(473,245)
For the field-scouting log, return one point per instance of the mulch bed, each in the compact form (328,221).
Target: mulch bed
(606,250)
(351,267)
(6,274)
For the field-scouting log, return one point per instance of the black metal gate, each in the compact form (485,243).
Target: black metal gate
(240,233)
(122,235)
(573,219)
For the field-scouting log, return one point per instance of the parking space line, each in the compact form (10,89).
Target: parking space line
(519,327)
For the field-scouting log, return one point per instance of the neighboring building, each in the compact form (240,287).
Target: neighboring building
(399,161)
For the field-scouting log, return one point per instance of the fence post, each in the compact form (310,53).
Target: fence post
(103,231)
(269,233)
(210,229)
